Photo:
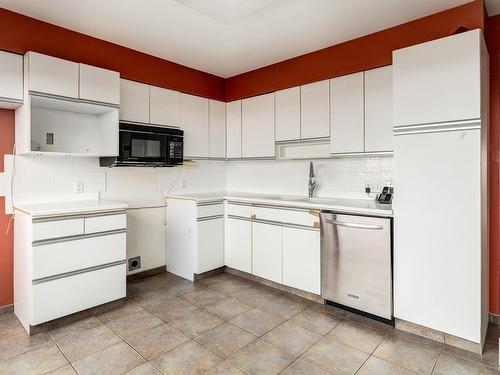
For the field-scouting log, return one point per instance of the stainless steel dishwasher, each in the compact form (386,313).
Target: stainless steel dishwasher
(356,262)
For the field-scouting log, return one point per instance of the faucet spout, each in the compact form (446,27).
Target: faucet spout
(312,180)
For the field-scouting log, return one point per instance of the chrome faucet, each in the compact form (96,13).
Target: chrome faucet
(312,180)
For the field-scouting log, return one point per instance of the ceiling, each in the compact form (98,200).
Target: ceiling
(228,37)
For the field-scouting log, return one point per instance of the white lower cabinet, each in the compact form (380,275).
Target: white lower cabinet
(302,259)
(210,244)
(267,251)
(238,254)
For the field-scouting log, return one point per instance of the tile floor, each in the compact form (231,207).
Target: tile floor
(228,325)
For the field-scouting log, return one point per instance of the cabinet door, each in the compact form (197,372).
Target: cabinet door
(194,122)
(314,110)
(217,127)
(11,76)
(134,98)
(438,81)
(347,114)
(267,251)
(233,129)
(99,85)
(257,127)
(238,250)
(288,114)
(301,259)
(378,110)
(210,245)
(164,106)
(51,75)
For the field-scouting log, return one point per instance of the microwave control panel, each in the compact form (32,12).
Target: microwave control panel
(175,149)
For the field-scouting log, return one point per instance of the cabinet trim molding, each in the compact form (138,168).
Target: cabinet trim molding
(213,217)
(70,99)
(77,237)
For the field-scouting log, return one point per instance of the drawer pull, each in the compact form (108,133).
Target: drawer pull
(77,237)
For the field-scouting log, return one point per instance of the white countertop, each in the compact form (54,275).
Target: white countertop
(356,206)
(56,208)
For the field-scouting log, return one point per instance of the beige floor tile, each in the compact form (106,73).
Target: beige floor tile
(301,367)
(9,325)
(255,295)
(116,359)
(188,359)
(283,306)
(224,368)
(144,369)
(335,357)
(377,366)
(216,279)
(171,309)
(154,341)
(316,321)
(204,297)
(413,356)
(129,325)
(79,345)
(75,328)
(448,364)
(231,286)
(489,356)
(358,336)
(292,338)
(371,322)
(38,361)
(261,358)
(257,321)
(197,322)
(128,308)
(329,309)
(19,343)
(154,297)
(228,308)
(225,339)
(65,370)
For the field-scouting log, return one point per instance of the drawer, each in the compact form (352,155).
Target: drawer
(105,223)
(239,210)
(56,298)
(308,218)
(67,256)
(211,210)
(44,230)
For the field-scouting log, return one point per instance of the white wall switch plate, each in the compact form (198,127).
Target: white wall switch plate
(79,187)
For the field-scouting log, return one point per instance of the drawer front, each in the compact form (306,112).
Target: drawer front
(239,210)
(309,218)
(211,210)
(44,230)
(67,256)
(105,223)
(56,298)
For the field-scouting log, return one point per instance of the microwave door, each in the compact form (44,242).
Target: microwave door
(143,147)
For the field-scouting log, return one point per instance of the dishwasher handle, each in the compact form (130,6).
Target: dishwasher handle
(355,225)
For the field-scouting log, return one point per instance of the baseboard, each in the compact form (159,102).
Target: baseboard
(6,309)
(146,273)
(204,275)
(495,319)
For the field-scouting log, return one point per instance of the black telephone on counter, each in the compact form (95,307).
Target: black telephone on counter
(386,195)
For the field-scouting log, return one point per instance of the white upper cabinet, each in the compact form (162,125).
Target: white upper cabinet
(164,106)
(257,126)
(194,122)
(233,129)
(314,110)
(99,85)
(134,101)
(217,126)
(51,75)
(438,81)
(347,114)
(11,80)
(288,114)
(378,110)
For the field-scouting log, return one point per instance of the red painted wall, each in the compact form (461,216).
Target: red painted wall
(20,34)
(6,241)
(367,52)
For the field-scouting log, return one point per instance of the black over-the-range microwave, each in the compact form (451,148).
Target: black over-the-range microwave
(147,146)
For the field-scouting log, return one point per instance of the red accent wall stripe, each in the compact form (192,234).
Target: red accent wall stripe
(19,33)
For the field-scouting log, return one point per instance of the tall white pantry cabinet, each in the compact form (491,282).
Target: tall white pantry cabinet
(440,207)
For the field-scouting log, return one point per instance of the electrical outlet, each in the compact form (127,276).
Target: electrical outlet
(79,187)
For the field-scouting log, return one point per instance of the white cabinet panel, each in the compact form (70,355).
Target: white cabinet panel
(11,76)
(134,97)
(267,251)
(51,75)
(164,106)
(314,110)
(105,223)
(347,114)
(288,114)
(438,81)
(301,259)
(217,129)
(100,85)
(233,129)
(194,122)
(210,210)
(378,110)
(257,126)
(56,229)
(210,245)
(238,250)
